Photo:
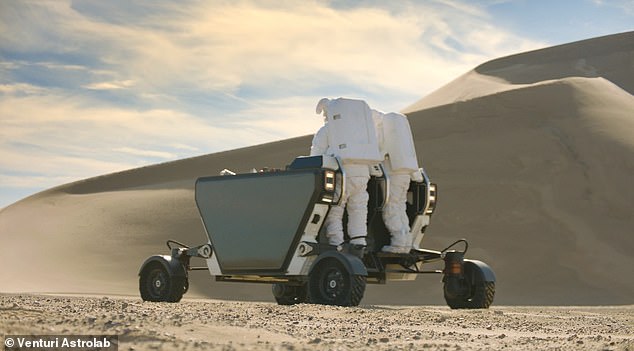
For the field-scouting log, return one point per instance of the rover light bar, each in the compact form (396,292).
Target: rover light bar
(329,181)
(433,197)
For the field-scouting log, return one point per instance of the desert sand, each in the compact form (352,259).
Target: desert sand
(225,325)
(534,158)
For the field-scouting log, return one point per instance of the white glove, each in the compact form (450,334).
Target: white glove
(375,171)
(417,176)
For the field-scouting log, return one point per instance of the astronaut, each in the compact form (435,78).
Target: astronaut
(401,165)
(349,134)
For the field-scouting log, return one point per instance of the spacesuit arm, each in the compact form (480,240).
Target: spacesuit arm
(377,118)
(320,142)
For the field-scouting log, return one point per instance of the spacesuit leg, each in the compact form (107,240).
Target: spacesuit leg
(395,215)
(357,207)
(334,224)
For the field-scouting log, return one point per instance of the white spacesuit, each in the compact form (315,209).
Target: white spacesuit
(401,164)
(349,133)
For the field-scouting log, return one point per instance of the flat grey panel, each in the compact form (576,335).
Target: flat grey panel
(252,220)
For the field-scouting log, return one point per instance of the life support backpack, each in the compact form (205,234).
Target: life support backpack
(398,143)
(351,132)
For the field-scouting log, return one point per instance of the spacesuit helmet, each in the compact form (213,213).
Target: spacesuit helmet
(322,106)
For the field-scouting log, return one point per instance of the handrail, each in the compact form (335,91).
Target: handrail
(386,196)
(343,178)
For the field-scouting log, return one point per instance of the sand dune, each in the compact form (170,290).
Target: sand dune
(533,154)
(544,185)
(610,57)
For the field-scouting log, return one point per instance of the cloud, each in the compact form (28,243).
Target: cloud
(624,5)
(185,147)
(88,88)
(279,118)
(221,47)
(145,153)
(20,88)
(110,85)
(309,44)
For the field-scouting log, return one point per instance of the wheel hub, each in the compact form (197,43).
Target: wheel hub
(157,282)
(334,283)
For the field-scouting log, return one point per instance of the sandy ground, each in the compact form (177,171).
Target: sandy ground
(223,325)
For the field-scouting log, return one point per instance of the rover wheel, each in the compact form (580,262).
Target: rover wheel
(330,283)
(290,294)
(185,286)
(158,285)
(478,293)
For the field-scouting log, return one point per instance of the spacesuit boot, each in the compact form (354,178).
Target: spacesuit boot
(401,243)
(358,250)
(357,246)
(357,208)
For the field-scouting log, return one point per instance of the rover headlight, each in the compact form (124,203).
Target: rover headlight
(329,181)
(433,198)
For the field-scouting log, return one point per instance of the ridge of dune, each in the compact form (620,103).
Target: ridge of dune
(169,174)
(536,174)
(610,57)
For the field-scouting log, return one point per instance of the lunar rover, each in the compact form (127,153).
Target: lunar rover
(266,227)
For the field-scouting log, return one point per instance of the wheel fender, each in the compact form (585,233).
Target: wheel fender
(173,265)
(487,272)
(351,262)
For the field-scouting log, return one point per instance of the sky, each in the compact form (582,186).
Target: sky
(93,87)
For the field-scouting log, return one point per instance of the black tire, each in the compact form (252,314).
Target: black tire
(185,286)
(330,283)
(478,292)
(290,294)
(156,284)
